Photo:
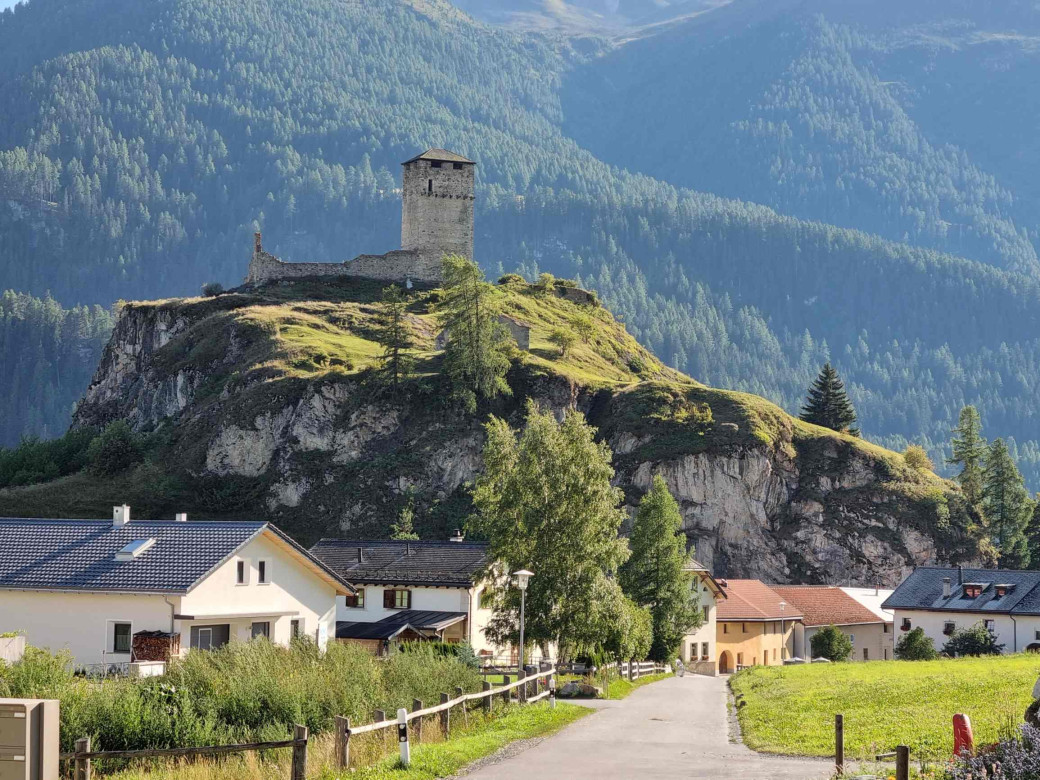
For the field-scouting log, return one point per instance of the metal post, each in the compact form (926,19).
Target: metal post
(299,754)
(552,692)
(83,764)
(902,762)
(445,716)
(839,744)
(342,742)
(487,699)
(417,728)
(523,606)
(402,737)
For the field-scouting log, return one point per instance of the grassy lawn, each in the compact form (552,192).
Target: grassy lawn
(791,709)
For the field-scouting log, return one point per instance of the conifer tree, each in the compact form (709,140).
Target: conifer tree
(1007,505)
(655,576)
(969,451)
(828,404)
(477,356)
(395,336)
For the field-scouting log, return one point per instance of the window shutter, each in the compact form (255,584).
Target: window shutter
(407,599)
(388,599)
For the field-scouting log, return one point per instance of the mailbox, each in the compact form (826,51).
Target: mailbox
(29,744)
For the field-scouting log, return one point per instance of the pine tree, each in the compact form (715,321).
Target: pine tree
(1007,505)
(969,450)
(404,529)
(655,575)
(1033,532)
(828,404)
(477,356)
(395,336)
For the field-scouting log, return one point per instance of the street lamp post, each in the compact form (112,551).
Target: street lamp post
(522,577)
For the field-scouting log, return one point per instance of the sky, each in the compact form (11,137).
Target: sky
(7,4)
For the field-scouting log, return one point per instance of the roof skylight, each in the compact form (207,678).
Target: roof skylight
(134,549)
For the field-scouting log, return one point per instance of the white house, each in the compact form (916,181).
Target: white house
(411,590)
(698,647)
(118,591)
(943,600)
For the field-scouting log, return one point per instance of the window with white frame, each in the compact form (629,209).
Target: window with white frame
(121,637)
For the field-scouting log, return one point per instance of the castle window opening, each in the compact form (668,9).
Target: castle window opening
(429,186)
(435,164)
(457,166)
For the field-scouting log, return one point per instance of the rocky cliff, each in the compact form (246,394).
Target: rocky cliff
(262,402)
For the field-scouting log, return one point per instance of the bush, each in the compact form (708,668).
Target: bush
(915,646)
(564,339)
(916,458)
(212,289)
(975,641)
(34,461)
(832,644)
(1016,757)
(512,279)
(546,283)
(114,451)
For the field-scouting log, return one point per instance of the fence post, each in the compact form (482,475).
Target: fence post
(83,764)
(487,699)
(342,742)
(839,744)
(552,692)
(507,697)
(631,671)
(299,754)
(902,762)
(445,717)
(402,737)
(417,728)
(465,714)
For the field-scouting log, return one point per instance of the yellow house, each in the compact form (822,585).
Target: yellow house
(755,626)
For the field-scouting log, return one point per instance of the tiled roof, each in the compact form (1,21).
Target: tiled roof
(80,554)
(388,627)
(391,562)
(822,605)
(923,589)
(440,154)
(753,600)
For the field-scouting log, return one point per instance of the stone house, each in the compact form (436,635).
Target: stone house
(824,605)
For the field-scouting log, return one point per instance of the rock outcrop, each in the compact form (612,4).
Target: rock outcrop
(324,452)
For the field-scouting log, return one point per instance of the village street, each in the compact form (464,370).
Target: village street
(676,728)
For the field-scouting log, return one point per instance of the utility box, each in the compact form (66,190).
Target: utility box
(29,745)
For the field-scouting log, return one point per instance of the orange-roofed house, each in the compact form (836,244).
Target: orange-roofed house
(755,626)
(822,606)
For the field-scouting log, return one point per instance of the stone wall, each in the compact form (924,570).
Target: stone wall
(396,266)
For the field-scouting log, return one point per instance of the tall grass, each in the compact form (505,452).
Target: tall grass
(250,691)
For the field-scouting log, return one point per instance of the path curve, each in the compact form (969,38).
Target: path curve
(676,728)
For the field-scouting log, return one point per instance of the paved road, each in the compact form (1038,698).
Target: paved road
(676,728)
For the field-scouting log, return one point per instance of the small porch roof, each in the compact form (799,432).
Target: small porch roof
(239,615)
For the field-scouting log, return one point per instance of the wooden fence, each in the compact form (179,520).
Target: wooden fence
(524,690)
(901,754)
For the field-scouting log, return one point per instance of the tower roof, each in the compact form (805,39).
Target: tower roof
(441,155)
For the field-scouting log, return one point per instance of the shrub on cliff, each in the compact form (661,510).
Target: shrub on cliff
(115,450)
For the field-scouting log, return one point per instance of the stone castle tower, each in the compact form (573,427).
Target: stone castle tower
(437,205)
(436,219)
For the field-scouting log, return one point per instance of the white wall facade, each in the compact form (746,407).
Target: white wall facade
(698,647)
(444,599)
(82,623)
(293,592)
(1016,634)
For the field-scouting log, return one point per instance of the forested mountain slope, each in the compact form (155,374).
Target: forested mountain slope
(143,143)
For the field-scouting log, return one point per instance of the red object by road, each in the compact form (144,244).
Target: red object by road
(963,740)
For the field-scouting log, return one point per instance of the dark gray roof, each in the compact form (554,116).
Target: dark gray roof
(80,554)
(440,154)
(387,628)
(923,590)
(390,562)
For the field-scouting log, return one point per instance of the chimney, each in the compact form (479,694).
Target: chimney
(181,517)
(120,516)
(946,587)
(360,554)
(457,536)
